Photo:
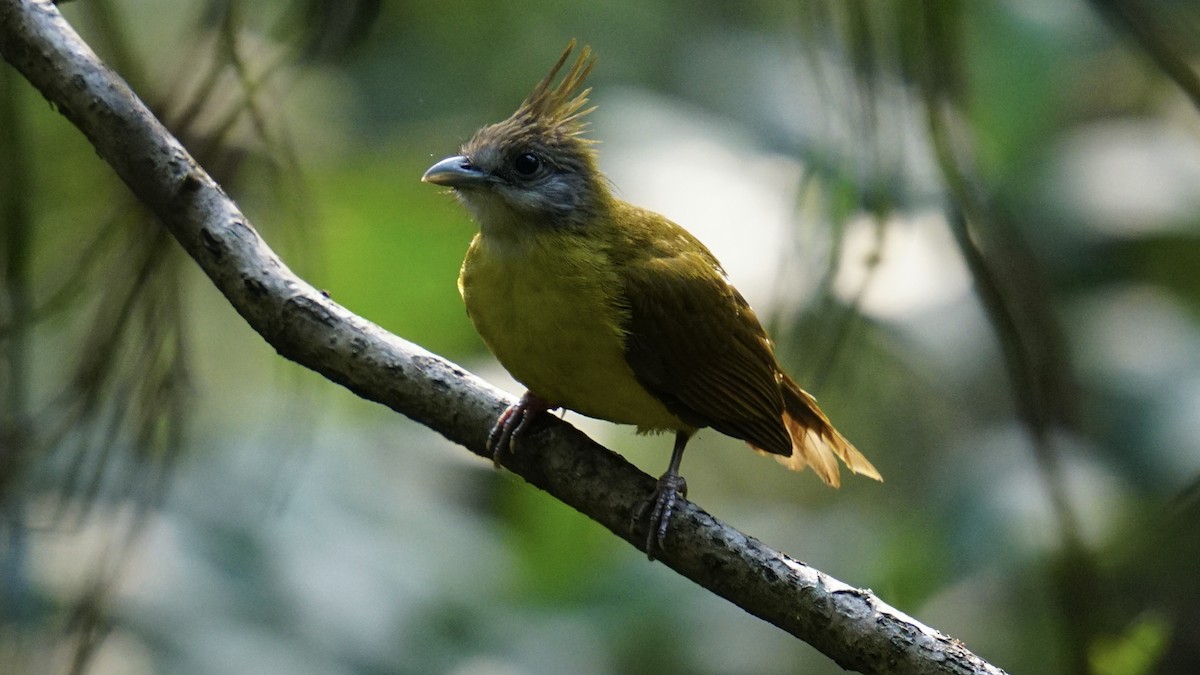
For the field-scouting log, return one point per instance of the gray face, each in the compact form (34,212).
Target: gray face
(532,183)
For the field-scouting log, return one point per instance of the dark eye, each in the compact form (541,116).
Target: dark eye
(527,164)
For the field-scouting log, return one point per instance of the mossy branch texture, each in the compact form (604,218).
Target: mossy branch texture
(850,625)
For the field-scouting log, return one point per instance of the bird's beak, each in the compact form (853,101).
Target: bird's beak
(454,171)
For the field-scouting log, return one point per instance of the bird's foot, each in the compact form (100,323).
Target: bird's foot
(658,508)
(513,422)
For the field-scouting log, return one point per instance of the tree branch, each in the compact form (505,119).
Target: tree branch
(850,625)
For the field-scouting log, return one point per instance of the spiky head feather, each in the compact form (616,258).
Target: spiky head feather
(549,125)
(560,107)
(552,115)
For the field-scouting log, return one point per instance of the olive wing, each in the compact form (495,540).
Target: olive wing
(697,346)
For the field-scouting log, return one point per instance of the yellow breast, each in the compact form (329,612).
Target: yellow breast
(547,305)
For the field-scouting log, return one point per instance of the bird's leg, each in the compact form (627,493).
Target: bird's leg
(671,486)
(513,422)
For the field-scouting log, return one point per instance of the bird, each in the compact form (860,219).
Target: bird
(613,311)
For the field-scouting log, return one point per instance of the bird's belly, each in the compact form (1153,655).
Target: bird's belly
(559,334)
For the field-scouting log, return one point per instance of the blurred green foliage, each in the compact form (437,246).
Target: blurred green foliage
(175,498)
(397,265)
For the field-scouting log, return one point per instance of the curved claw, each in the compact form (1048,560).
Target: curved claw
(670,489)
(512,423)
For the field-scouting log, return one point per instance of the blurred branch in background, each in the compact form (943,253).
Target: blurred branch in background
(1017,301)
(861,181)
(16,301)
(851,626)
(16,307)
(113,432)
(1155,28)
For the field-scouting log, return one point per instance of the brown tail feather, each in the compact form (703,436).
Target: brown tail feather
(815,442)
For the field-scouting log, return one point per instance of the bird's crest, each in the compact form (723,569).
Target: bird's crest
(560,107)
